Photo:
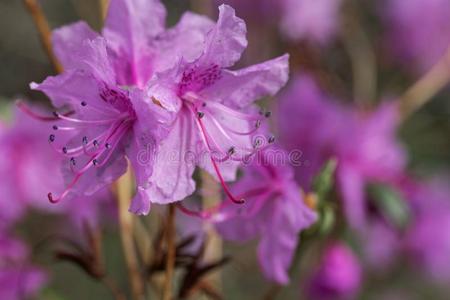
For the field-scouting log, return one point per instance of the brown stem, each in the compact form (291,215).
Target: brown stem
(426,88)
(361,54)
(124,193)
(170,262)
(114,288)
(44,31)
(212,197)
(103,6)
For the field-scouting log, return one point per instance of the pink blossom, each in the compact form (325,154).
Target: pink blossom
(364,143)
(338,275)
(214,123)
(274,212)
(19,279)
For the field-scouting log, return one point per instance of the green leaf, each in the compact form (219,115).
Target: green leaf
(324,181)
(327,220)
(391,204)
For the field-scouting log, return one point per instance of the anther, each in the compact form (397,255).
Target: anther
(267,114)
(95,143)
(85,140)
(108,145)
(271,140)
(257,143)
(258,124)
(64,149)
(231,151)
(95,162)
(72,161)
(55,127)
(50,198)
(51,138)
(56,114)
(204,104)
(83,103)
(200,114)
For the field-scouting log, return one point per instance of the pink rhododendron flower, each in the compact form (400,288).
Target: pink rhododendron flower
(111,116)
(409,39)
(317,126)
(18,278)
(338,275)
(274,212)
(214,124)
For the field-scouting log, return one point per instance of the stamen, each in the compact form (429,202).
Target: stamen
(267,114)
(271,140)
(85,140)
(216,168)
(83,103)
(77,177)
(51,138)
(211,212)
(98,122)
(200,114)
(55,127)
(64,149)
(115,141)
(24,108)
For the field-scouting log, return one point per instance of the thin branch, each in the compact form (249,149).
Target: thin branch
(426,88)
(124,193)
(211,196)
(171,252)
(361,54)
(45,33)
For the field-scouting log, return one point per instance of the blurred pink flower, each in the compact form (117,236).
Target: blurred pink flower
(312,20)
(29,168)
(364,143)
(427,240)
(315,20)
(19,279)
(214,123)
(412,26)
(274,212)
(338,276)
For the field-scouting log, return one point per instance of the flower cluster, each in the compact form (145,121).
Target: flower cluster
(324,185)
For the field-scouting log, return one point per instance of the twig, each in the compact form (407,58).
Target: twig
(362,57)
(124,191)
(211,197)
(171,252)
(44,31)
(426,88)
